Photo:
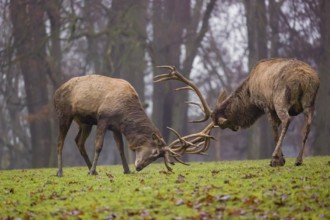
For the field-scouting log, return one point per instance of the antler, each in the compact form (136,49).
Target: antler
(174,74)
(197,143)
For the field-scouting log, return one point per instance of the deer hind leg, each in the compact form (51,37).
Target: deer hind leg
(307,125)
(84,131)
(99,139)
(64,125)
(277,156)
(120,144)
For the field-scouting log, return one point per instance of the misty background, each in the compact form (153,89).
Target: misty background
(215,43)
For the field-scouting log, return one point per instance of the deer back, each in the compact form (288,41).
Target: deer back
(273,78)
(272,82)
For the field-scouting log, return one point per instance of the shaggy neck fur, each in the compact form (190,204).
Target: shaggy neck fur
(239,109)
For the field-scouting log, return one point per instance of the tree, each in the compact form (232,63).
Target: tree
(322,138)
(177,37)
(30,44)
(260,143)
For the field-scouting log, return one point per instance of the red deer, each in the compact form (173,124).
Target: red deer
(279,88)
(113,104)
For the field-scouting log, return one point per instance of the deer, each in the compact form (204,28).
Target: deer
(113,104)
(278,87)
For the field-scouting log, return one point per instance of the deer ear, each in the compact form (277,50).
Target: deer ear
(222,96)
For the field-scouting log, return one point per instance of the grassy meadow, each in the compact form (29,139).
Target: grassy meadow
(212,190)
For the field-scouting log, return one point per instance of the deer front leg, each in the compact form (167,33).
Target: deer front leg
(277,156)
(120,144)
(84,131)
(100,132)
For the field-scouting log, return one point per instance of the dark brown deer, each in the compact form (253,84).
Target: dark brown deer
(281,88)
(113,104)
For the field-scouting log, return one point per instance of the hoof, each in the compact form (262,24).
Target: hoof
(277,161)
(59,173)
(298,163)
(127,172)
(93,173)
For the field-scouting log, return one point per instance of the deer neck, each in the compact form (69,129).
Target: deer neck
(241,109)
(137,128)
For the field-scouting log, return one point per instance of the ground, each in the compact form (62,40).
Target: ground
(213,190)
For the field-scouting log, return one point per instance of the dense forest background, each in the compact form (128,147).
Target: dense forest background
(43,43)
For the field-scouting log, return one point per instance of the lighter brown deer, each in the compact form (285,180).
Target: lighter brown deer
(279,88)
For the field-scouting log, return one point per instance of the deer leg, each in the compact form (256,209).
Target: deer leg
(307,126)
(64,125)
(84,131)
(277,156)
(99,139)
(120,145)
(275,122)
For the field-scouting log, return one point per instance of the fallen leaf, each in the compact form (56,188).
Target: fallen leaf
(179,202)
(214,172)
(223,197)
(111,177)
(307,209)
(145,213)
(111,216)
(132,212)
(236,212)
(73,182)
(167,173)
(251,199)
(76,212)
(180,179)
(249,176)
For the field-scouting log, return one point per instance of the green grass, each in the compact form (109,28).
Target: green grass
(228,190)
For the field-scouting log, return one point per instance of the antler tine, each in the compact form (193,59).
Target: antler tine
(180,161)
(181,148)
(177,134)
(195,103)
(202,150)
(176,75)
(167,161)
(172,68)
(184,88)
(166,76)
(193,146)
(203,138)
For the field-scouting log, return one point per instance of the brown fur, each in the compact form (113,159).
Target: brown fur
(281,88)
(111,104)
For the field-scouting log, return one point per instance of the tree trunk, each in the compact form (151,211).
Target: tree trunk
(54,69)
(182,30)
(259,137)
(30,41)
(274,13)
(124,55)
(170,19)
(322,137)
